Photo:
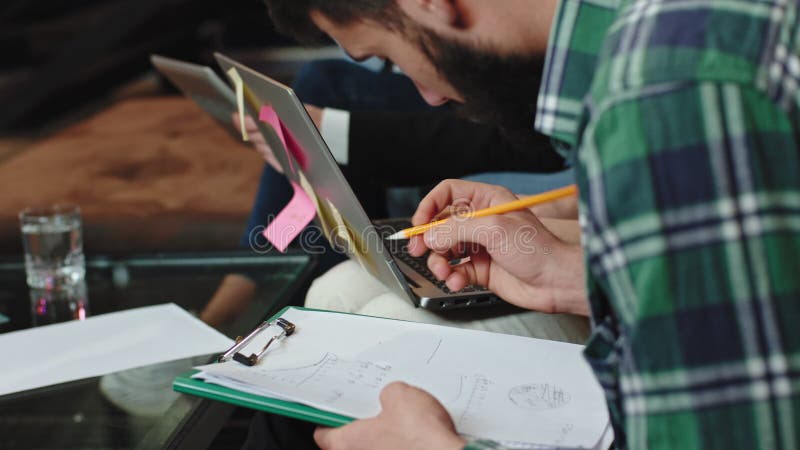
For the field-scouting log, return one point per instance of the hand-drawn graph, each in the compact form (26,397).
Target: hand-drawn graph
(332,370)
(538,396)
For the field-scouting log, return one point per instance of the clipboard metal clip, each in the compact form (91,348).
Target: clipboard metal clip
(287,328)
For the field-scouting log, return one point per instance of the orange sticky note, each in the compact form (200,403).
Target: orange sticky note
(294,218)
(293,148)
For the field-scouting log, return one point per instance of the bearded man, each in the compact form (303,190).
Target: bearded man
(682,119)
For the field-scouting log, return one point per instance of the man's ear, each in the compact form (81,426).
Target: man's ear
(434,14)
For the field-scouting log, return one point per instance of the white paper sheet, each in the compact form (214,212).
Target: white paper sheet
(525,392)
(99,345)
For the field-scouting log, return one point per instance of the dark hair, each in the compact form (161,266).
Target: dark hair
(293,17)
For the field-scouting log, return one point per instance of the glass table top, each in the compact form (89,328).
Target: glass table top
(135,408)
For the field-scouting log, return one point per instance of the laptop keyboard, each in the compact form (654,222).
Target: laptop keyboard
(420,264)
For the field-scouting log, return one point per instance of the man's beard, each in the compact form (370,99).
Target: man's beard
(497,89)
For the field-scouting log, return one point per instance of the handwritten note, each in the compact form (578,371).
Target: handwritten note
(290,222)
(238,86)
(290,145)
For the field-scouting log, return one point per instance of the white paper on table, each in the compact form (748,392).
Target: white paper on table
(522,391)
(103,344)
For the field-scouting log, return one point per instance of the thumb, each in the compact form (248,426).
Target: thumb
(393,393)
(323,437)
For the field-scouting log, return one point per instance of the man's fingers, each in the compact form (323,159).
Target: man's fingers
(452,210)
(455,277)
(393,392)
(249,122)
(416,246)
(433,203)
(445,213)
(274,163)
(458,280)
(323,438)
(446,194)
(315,113)
(439,266)
(257,136)
(459,193)
(259,142)
(493,232)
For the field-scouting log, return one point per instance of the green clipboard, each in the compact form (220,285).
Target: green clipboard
(185,384)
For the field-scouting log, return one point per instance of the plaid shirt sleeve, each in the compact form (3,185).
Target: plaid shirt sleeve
(690,199)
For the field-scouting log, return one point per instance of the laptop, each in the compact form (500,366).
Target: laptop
(387,261)
(201,84)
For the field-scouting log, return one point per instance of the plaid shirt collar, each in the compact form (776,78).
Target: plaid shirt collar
(575,41)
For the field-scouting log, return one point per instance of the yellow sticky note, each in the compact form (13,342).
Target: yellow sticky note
(238,86)
(360,249)
(339,227)
(355,245)
(307,186)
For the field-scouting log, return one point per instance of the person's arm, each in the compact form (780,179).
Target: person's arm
(416,148)
(231,299)
(692,206)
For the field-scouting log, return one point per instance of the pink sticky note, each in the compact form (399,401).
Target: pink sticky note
(269,116)
(297,214)
(294,148)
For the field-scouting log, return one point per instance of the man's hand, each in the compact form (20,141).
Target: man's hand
(564,208)
(315,113)
(260,144)
(410,419)
(512,254)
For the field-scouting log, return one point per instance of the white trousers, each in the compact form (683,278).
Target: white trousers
(348,288)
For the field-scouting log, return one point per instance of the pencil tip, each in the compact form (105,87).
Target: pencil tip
(397,236)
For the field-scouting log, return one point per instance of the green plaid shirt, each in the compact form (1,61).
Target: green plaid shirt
(682,119)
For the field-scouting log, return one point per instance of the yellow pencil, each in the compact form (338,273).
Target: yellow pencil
(516,205)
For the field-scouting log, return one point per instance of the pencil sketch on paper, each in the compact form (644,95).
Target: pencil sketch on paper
(488,393)
(333,369)
(470,399)
(538,396)
(439,344)
(336,379)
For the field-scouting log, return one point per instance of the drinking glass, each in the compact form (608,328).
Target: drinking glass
(51,237)
(62,304)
